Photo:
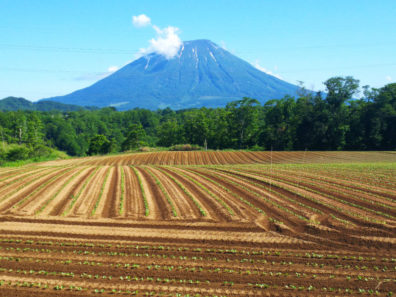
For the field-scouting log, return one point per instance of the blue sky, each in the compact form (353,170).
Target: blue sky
(53,47)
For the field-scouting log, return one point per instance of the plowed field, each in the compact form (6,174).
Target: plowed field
(231,157)
(201,224)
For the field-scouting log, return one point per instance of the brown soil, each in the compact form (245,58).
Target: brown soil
(223,158)
(266,231)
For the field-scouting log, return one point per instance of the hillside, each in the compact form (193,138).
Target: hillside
(14,103)
(202,74)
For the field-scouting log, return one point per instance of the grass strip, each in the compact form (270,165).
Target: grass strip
(197,204)
(160,185)
(40,210)
(40,187)
(101,192)
(146,207)
(332,197)
(121,210)
(18,172)
(25,184)
(266,199)
(235,174)
(210,193)
(230,192)
(74,198)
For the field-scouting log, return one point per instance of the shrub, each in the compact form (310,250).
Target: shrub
(257,148)
(18,153)
(99,144)
(145,149)
(185,147)
(40,151)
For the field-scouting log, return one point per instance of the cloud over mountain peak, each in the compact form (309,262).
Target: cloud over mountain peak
(167,41)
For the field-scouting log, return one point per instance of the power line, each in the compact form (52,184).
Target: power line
(42,70)
(281,72)
(69,49)
(128,51)
(338,68)
(351,45)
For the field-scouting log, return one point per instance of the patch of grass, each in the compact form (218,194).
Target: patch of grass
(121,210)
(41,209)
(197,204)
(210,193)
(146,207)
(101,192)
(74,198)
(52,155)
(157,181)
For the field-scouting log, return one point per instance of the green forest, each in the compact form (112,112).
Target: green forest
(340,118)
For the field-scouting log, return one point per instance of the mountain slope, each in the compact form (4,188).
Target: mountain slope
(14,103)
(202,74)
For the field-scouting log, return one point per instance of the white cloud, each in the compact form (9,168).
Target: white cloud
(388,78)
(166,43)
(141,20)
(261,68)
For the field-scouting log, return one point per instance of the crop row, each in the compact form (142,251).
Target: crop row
(236,251)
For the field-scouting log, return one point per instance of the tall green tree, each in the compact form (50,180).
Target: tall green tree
(99,144)
(382,121)
(195,126)
(219,134)
(339,91)
(279,129)
(134,137)
(329,120)
(170,133)
(34,131)
(243,121)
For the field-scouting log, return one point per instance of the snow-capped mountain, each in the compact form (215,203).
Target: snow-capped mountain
(201,74)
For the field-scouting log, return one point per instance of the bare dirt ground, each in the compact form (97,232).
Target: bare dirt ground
(229,157)
(238,224)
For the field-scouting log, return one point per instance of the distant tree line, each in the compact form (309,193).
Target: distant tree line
(333,120)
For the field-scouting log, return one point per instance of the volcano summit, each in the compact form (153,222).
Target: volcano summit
(201,74)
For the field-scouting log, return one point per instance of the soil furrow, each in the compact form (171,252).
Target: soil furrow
(112,199)
(60,206)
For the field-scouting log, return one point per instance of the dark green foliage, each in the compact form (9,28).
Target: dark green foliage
(281,124)
(99,144)
(195,128)
(384,111)
(185,147)
(10,153)
(135,137)
(243,121)
(334,121)
(17,153)
(170,132)
(339,90)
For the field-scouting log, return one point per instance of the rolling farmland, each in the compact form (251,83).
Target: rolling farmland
(201,224)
